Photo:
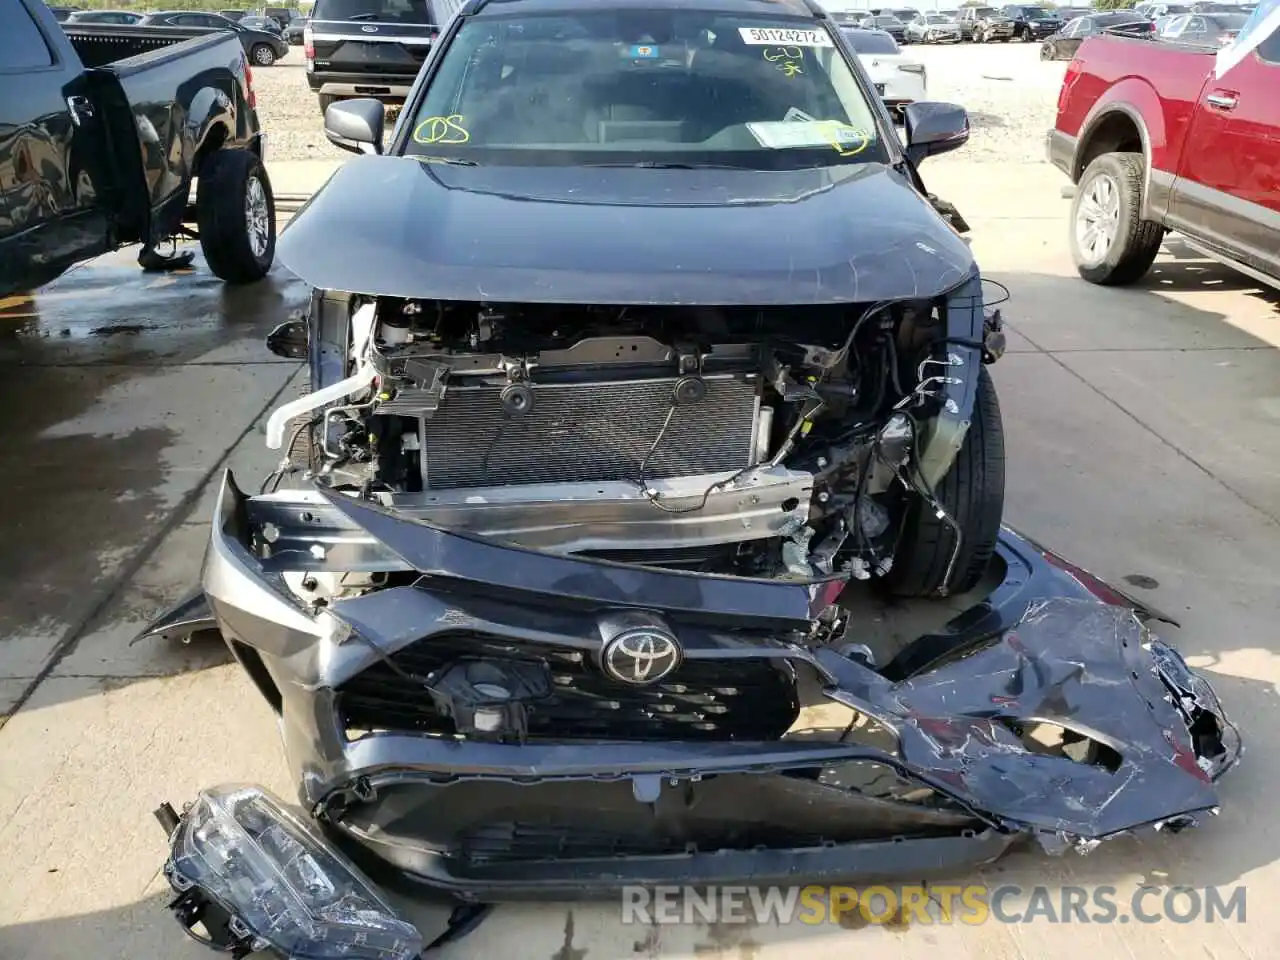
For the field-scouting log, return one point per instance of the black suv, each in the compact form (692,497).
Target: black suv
(371,48)
(1033,23)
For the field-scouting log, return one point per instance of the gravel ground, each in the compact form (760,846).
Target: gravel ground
(290,112)
(1010,94)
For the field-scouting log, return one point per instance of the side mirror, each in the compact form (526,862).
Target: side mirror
(933,128)
(356,125)
(289,340)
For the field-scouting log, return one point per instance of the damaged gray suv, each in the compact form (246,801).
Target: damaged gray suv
(637,345)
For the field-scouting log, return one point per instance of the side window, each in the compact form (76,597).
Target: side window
(1175,27)
(1084,27)
(1194,25)
(22,45)
(1269,49)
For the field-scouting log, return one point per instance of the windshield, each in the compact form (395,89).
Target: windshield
(1117,19)
(1227,21)
(383,11)
(985,11)
(1035,12)
(935,18)
(885,21)
(866,41)
(645,87)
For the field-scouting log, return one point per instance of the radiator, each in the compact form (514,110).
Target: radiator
(588,432)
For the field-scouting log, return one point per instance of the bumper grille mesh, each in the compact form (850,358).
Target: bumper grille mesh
(703,700)
(588,433)
(510,842)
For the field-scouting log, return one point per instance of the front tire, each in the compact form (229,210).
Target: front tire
(236,215)
(972,492)
(1110,242)
(262,56)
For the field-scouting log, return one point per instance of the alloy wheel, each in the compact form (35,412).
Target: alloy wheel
(1097,218)
(257,217)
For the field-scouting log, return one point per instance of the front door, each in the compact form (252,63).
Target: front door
(1228,186)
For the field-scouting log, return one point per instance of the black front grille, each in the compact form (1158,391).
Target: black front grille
(739,699)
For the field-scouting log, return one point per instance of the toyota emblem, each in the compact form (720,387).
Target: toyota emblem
(641,655)
(368,29)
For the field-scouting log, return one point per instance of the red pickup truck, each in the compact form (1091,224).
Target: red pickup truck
(1155,142)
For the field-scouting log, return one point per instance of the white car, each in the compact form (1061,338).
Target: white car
(899,79)
(933,28)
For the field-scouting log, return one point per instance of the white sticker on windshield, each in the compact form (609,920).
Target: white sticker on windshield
(796,115)
(785,134)
(767,36)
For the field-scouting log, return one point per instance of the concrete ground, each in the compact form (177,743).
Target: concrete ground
(1142,442)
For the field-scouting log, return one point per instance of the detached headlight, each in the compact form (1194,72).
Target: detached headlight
(284,887)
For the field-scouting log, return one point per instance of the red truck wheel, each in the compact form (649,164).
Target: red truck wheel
(1110,242)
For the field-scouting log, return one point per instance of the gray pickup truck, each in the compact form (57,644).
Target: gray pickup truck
(104,129)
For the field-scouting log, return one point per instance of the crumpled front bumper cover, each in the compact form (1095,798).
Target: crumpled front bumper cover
(484,819)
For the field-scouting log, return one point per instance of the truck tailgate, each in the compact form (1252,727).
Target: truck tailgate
(347,46)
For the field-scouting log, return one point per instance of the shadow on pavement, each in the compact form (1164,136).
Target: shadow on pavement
(1190,270)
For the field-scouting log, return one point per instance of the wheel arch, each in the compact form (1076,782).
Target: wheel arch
(1119,124)
(215,136)
(1116,130)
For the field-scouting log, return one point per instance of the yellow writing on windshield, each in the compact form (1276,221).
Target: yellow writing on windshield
(788,59)
(844,139)
(441,130)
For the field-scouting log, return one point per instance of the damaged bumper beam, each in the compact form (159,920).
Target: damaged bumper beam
(580,783)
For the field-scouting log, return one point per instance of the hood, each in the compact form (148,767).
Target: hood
(397,226)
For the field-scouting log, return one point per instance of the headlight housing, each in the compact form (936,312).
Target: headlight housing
(284,887)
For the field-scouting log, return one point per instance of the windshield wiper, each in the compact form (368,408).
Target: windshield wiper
(456,161)
(363,16)
(664,165)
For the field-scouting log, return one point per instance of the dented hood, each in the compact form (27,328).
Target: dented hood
(398,226)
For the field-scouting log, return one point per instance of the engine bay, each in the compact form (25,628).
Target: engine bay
(764,442)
